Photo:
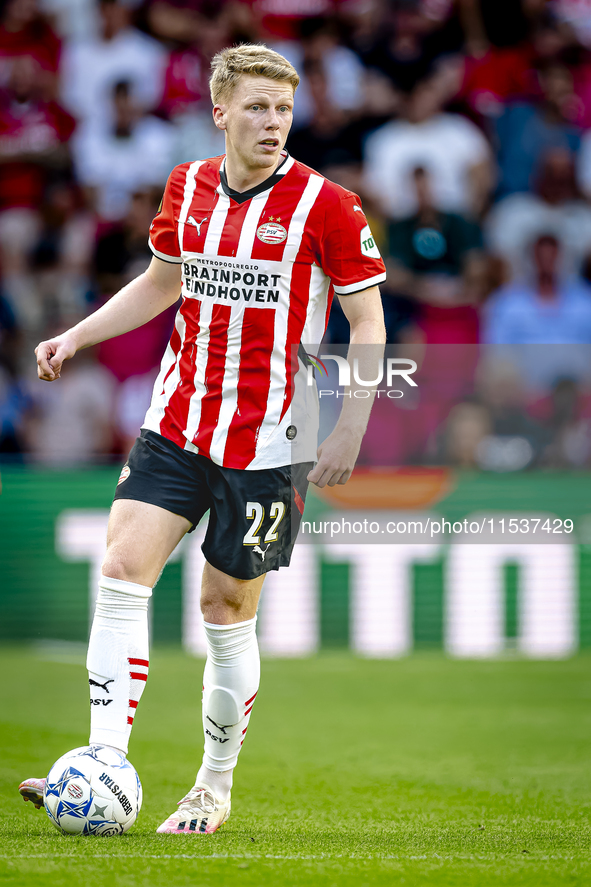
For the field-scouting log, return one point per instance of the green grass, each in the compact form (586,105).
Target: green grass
(422,771)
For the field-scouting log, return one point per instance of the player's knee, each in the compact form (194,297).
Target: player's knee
(215,605)
(225,604)
(117,567)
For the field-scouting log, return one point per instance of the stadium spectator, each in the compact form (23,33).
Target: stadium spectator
(74,425)
(544,311)
(450,147)
(435,285)
(72,19)
(61,260)
(207,24)
(14,399)
(577,15)
(566,413)
(584,164)
(280,21)
(579,62)
(462,434)
(196,137)
(34,134)
(330,140)
(122,253)
(405,431)
(496,76)
(492,429)
(91,67)
(14,406)
(554,207)
(24,32)
(412,36)
(185,82)
(515,440)
(127,152)
(526,131)
(132,401)
(500,23)
(547,310)
(177,22)
(185,101)
(432,256)
(320,48)
(431,241)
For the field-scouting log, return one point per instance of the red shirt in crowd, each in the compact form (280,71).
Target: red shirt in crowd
(37,39)
(28,131)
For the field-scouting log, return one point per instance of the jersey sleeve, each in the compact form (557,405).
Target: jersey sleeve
(163,239)
(348,253)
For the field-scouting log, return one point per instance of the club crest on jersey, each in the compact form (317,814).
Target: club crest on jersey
(125,472)
(271,232)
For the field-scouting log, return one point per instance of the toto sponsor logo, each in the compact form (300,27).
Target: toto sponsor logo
(75,791)
(271,232)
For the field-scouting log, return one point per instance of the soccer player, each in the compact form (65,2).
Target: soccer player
(256,244)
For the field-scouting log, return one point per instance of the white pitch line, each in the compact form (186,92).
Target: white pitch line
(124,856)
(262,856)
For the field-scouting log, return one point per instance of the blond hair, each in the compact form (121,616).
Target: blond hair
(230,64)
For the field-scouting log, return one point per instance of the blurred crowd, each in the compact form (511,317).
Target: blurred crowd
(464,125)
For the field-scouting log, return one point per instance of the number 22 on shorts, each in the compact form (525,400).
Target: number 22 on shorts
(256,512)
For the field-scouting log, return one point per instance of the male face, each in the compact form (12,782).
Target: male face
(256,119)
(546,255)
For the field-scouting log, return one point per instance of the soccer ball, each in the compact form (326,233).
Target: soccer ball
(93,790)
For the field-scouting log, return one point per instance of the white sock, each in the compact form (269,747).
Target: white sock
(230,684)
(117,660)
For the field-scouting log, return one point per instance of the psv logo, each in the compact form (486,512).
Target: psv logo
(125,472)
(271,232)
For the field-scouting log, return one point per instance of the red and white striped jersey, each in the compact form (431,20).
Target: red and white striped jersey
(258,275)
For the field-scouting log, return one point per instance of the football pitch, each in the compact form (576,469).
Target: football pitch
(422,771)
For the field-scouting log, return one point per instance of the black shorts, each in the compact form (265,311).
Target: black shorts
(254,516)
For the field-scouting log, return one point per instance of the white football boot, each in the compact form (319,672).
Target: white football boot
(199,813)
(32,790)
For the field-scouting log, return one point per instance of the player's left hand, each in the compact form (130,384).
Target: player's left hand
(336,459)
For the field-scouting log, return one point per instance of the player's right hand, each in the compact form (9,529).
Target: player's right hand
(51,355)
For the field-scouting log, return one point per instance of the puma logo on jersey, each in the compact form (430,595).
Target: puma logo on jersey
(357,209)
(261,551)
(191,221)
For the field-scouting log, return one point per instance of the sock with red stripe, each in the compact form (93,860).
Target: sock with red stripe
(230,685)
(117,660)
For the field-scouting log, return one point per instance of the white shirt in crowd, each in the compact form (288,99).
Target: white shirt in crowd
(117,167)
(73,19)
(448,146)
(91,68)
(514,223)
(576,13)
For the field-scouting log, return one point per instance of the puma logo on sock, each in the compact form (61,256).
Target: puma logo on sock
(102,686)
(218,726)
